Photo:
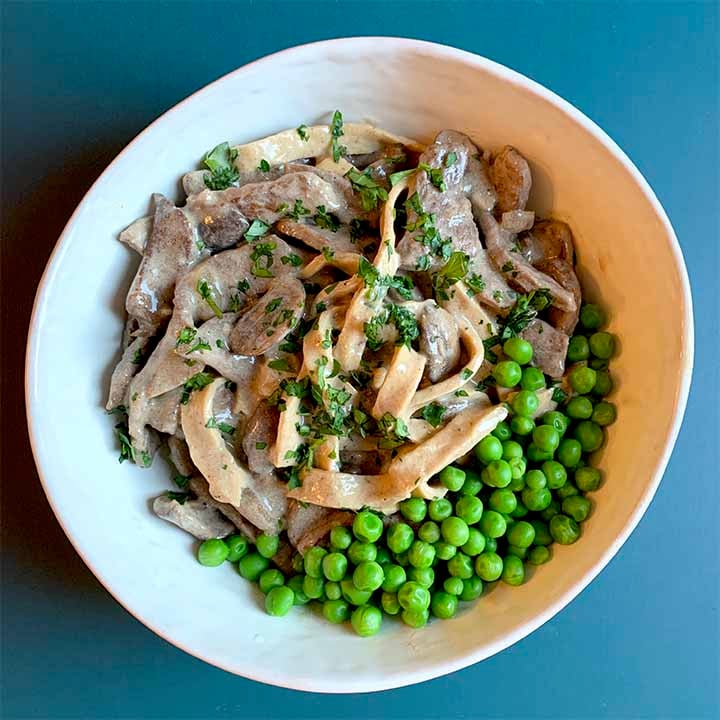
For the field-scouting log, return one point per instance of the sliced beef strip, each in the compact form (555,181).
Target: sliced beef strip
(259,435)
(563,272)
(517,270)
(170,251)
(510,174)
(180,456)
(494,291)
(200,519)
(308,525)
(439,342)
(549,347)
(318,238)
(451,208)
(361,462)
(270,319)
(125,371)
(199,486)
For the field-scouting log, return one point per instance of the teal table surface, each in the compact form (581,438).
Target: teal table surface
(80,80)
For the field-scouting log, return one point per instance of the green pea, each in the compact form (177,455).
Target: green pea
(490,544)
(336,611)
(521,534)
(502,501)
(333,591)
(604,414)
(497,474)
(502,431)
(510,450)
(513,570)
(429,532)
(367,527)
(569,452)
(518,466)
(472,485)
(395,577)
(340,538)
(382,556)
(237,547)
(555,473)
(518,552)
(298,564)
(413,509)
(295,583)
(522,425)
(469,508)
(536,499)
(488,566)
(472,589)
(475,543)
(519,350)
(587,478)
(598,364)
(591,316)
(453,585)
(334,566)
(269,579)
(313,561)
(421,554)
(415,618)
(535,479)
(390,603)
(422,576)
(489,449)
(567,490)
(399,537)
(213,552)
(579,408)
(439,509)
(460,566)
(603,383)
(577,507)
(402,559)
(578,349)
(590,435)
(539,555)
(552,509)
(532,379)
(443,605)
(525,403)
(542,533)
(557,420)
(252,566)
(352,594)
(313,587)
(413,596)
(536,455)
(368,576)
(519,512)
(602,345)
(507,373)
(444,551)
(360,552)
(517,483)
(267,545)
(582,379)
(279,601)
(492,524)
(452,478)
(455,531)
(366,620)
(564,529)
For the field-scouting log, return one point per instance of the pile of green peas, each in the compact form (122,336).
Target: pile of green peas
(525,489)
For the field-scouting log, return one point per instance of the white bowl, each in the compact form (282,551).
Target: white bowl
(629,261)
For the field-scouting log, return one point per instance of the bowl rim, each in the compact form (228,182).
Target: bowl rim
(328,684)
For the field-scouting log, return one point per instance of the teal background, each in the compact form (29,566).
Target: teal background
(81,79)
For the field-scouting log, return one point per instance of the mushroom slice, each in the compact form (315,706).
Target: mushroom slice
(137,233)
(510,174)
(549,347)
(547,240)
(516,221)
(563,272)
(199,518)
(270,319)
(439,341)
(260,499)
(223,226)
(406,473)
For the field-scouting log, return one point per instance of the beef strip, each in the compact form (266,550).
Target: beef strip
(439,342)
(199,518)
(510,174)
(549,347)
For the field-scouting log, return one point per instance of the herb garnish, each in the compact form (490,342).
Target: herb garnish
(301,130)
(264,166)
(220,161)
(336,131)
(196,382)
(262,257)
(454,269)
(370,192)
(206,294)
(326,220)
(257,229)
(435,175)
(433,413)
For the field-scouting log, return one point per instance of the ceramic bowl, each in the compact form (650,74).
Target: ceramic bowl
(629,261)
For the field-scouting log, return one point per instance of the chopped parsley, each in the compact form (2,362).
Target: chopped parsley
(336,132)
(137,357)
(260,445)
(434,413)
(371,193)
(200,245)
(301,130)
(298,210)
(405,324)
(127,451)
(397,177)
(475,284)
(393,429)
(196,382)
(328,253)
(466,374)
(257,229)
(427,233)
(358,229)
(454,269)
(186,336)
(326,220)
(206,294)
(373,331)
(450,159)
(223,427)
(280,365)
(262,257)
(179,497)
(199,346)
(181,480)
(220,162)
(507,267)
(273,305)
(292,260)
(559,395)
(220,343)
(264,166)
(435,175)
